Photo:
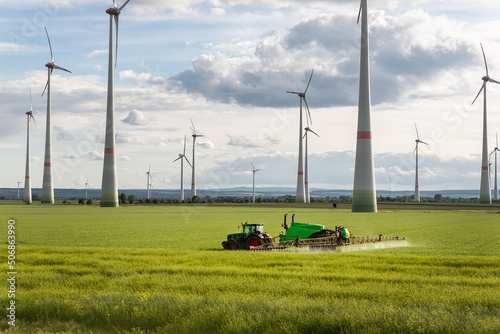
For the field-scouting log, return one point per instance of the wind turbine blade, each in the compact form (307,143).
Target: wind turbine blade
(45,87)
(418,138)
(194,129)
(314,132)
(184,153)
(117,18)
(60,68)
(482,87)
(423,142)
(359,13)
(180,156)
(188,162)
(114,3)
(253,167)
(484,56)
(416,145)
(50,46)
(308,112)
(31,103)
(289,92)
(120,9)
(310,78)
(493,80)
(497,140)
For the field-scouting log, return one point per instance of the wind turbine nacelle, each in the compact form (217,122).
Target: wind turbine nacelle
(486,78)
(113,11)
(49,65)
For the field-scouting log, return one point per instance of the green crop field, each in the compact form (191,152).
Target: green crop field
(161,269)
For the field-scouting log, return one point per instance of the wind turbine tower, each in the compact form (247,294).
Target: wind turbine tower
(18,183)
(193,175)
(182,157)
(149,178)
(86,188)
(109,188)
(27,178)
(48,185)
(300,195)
(253,191)
(306,170)
(415,151)
(495,189)
(364,197)
(485,190)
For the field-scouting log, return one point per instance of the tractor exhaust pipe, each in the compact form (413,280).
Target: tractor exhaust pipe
(284,225)
(293,218)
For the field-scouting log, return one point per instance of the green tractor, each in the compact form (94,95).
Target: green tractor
(253,235)
(297,235)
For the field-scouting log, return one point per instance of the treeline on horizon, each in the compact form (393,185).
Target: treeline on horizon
(132,199)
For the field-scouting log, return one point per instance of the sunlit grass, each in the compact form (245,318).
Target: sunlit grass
(162,270)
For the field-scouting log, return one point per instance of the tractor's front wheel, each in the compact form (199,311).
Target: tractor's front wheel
(230,245)
(253,241)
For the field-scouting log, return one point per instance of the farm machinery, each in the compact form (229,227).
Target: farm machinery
(314,236)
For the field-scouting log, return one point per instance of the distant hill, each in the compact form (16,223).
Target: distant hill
(11,193)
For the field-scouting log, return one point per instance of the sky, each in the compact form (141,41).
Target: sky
(227,65)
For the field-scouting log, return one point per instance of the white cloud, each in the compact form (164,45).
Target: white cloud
(135,117)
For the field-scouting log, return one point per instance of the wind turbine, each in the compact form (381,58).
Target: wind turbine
(300,195)
(18,183)
(306,171)
(415,151)
(27,177)
(484,192)
(109,188)
(47,185)
(182,157)
(149,180)
(364,197)
(86,188)
(193,176)
(253,171)
(495,189)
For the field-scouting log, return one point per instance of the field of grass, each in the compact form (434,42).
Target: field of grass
(161,269)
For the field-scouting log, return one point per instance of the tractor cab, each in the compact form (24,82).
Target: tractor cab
(253,229)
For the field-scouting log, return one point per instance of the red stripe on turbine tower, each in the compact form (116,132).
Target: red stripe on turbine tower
(484,168)
(47,164)
(109,151)
(364,135)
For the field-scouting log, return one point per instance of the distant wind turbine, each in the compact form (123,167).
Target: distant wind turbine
(149,181)
(253,182)
(306,170)
(193,176)
(495,188)
(48,185)
(364,197)
(300,195)
(27,178)
(18,183)
(415,151)
(182,157)
(86,188)
(484,192)
(109,188)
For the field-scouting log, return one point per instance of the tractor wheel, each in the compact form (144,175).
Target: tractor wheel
(253,241)
(230,245)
